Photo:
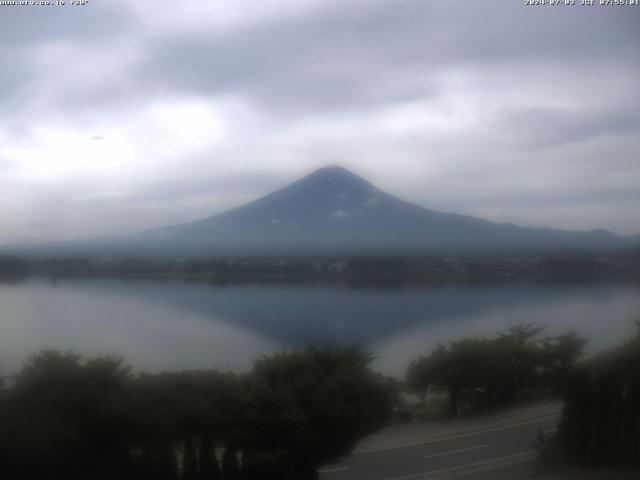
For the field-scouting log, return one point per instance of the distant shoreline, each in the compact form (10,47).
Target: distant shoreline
(360,271)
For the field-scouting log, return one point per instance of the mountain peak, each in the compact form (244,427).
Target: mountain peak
(332,170)
(336,177)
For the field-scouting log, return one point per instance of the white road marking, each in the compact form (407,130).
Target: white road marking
(332,470)
(551,430)
(455,437)
(451,452)
(495,466)
(498,462)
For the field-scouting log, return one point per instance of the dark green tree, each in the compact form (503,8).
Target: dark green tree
(4,427)
(189,460)
(69,418)
(559,359)
(479,373)
(600,424)
(209,468)
(309,408)
(154,401)
(230,465)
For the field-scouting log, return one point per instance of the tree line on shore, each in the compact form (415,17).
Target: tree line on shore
(389,269)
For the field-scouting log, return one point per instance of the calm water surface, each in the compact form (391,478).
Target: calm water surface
(174,324)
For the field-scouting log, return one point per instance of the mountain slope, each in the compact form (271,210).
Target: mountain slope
(333,210)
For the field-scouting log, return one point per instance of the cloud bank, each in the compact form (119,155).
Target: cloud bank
(122,116)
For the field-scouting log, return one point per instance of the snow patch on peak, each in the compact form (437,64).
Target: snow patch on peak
(339,214)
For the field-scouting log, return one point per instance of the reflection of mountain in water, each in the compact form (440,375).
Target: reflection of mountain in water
(299,315)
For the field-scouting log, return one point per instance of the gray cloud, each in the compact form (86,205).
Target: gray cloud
(363,53)
(470,106)
(172,190)
(553,127)
(20,26)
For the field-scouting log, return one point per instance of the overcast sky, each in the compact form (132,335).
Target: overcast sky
(124,115)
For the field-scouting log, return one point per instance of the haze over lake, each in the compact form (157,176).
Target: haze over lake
(157,324)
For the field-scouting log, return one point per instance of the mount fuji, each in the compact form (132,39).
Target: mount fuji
(334,211)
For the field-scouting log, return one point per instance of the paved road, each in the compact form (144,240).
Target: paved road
(504,451)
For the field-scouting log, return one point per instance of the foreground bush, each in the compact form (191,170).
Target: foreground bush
(65,418)
(310,408)
(600,424)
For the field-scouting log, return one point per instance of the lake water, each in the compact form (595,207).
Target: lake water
(158,324)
